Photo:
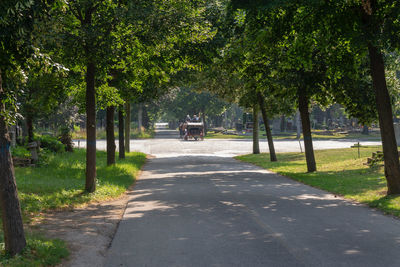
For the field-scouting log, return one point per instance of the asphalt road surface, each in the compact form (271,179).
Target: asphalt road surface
(167,143)
(211,210)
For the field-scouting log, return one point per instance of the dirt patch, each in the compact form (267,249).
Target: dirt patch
(88,231)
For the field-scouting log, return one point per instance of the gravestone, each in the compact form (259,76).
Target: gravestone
(33,148)
(276,126)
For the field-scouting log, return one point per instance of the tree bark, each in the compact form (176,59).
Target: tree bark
(256,143)
(110,135)
(127,127)
(140,117)
(14,236)
(29,126)
(261,101)
(203,117)
(305,121)
(121,133)
(385,114)
(90,185)
(298,126)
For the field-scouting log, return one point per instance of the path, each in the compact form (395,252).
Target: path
(215,211)
(168,144)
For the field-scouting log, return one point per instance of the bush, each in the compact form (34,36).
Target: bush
(20,152)
(51,143)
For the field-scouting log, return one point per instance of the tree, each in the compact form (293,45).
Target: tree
(16,26)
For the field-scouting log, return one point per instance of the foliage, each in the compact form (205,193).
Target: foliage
(51,143)
(340,171)
(40,251)
(182,101)
(20,152)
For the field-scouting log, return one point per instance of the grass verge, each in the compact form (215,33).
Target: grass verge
(340,171)
(39,251)
(59,185)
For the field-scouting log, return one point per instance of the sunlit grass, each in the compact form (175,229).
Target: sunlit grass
(39,251)
(59,185)
(340,171)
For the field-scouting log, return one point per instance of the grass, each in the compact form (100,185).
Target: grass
(317,135)
(340,171)
(39,251)
(59,185)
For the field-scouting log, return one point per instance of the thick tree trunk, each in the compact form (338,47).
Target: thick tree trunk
(384,107)
(14,237)
(121,133)
(305,121)
(140,117)
(90,128)
(29,126)
(127,127)
(110,135)
(256,143)
(261,101)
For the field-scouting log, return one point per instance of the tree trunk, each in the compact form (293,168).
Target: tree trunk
(90,129)
(121,133)
(203,117)
(271,147)
(256,143)
(298,126)
(283,122)
(140,117)
(127,127)
(110,135)
(385,114)
(305,121)
(14,237)
(29,126)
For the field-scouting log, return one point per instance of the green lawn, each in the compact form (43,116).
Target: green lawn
(58,184)
(340,171)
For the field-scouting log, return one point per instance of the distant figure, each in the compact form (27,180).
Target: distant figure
(195,118)
(188,118)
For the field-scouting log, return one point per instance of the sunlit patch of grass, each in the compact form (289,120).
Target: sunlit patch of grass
(60,184)
(340,171)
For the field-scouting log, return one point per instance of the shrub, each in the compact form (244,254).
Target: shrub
(51,143)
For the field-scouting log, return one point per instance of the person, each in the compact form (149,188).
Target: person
(181,130)
(195,118)
(188,118)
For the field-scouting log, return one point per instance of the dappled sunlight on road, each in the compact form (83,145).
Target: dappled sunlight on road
(203,205)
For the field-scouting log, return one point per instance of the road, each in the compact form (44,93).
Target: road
(168,144)
(211,210)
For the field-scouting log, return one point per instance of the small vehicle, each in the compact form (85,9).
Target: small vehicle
(193,130)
